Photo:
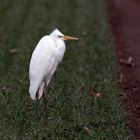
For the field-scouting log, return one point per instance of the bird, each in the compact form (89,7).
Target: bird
(45,59)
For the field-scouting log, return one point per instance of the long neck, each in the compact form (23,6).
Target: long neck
(60,49)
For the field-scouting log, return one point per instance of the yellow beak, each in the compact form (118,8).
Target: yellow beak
(70,38)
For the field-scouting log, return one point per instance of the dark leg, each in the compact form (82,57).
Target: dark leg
(45,100)
(37,115)
(37,106)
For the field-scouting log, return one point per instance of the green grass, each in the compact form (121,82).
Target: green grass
(88,64)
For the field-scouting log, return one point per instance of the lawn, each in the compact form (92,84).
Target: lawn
(75,113)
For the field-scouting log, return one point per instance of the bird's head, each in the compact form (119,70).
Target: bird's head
(56,34)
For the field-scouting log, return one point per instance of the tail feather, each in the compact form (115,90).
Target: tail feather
(34,89)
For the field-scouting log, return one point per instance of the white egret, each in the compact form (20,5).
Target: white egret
(44,61)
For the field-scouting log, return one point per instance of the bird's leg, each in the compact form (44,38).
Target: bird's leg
(45,100)
(37,113)
(37,105)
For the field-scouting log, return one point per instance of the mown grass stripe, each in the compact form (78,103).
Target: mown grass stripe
(97,46)
(19,92)
(16,28)
(60,104)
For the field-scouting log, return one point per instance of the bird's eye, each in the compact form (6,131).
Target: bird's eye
(60,36)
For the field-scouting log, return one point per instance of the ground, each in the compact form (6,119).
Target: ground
(125,23)
(84,100)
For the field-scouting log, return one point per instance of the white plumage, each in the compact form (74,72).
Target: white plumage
(44,61)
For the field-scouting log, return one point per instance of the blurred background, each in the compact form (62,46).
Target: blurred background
(84,98)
